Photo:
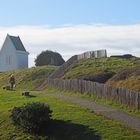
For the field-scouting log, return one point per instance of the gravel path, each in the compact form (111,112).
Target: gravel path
(114,114)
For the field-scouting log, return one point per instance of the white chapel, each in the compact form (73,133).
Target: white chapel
(13,54)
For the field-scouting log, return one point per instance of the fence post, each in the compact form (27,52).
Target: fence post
(124,96)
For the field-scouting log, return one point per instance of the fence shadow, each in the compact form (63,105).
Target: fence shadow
(66,130)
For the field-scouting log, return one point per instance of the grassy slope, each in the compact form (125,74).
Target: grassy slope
(27,78)
(31,78)
(90,66)
(70,121)
(117,65)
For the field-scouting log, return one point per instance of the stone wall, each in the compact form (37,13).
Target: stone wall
(92,54)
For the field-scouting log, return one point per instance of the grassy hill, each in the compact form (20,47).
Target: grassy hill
(117,72)
(77,122)
(27,78)
(128,78)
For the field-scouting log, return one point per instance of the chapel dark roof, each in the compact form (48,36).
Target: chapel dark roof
(17,43)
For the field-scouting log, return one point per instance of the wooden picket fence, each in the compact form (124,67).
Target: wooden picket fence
(124,96)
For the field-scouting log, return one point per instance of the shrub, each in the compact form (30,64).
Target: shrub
(49,58)
(33,117)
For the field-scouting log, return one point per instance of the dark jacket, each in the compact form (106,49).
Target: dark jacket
(12,80)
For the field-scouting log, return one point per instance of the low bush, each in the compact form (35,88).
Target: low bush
(33,117)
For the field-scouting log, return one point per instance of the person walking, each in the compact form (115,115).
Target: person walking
(12,81)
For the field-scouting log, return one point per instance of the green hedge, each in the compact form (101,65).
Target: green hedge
(33,117)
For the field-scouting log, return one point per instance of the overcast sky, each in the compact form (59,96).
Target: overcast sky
(72,26)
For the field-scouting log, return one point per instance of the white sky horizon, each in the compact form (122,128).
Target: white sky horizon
(76,39)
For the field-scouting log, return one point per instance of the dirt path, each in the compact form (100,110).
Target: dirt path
(114,114)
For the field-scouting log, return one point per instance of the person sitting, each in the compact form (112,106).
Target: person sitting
(12,81)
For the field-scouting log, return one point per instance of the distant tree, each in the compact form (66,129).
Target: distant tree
(49,58)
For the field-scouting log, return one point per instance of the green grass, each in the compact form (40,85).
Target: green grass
(27,78)
(131,82)
(33,77)
(90,66)
(69,121)
(99,100)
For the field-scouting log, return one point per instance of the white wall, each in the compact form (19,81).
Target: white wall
(22,58)
(8,57)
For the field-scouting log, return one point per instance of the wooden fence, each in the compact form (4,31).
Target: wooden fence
(124,96)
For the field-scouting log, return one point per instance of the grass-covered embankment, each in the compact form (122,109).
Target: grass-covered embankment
(92,66)
(27,79)
(117,72)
